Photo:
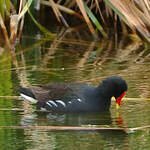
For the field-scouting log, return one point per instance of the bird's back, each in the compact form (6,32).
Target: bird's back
(60,91)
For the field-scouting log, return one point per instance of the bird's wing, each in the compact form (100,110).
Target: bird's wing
(56,91)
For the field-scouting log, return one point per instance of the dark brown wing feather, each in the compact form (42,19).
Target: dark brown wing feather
(56,91)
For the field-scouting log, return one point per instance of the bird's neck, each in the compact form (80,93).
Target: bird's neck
(103,97)
(104,91)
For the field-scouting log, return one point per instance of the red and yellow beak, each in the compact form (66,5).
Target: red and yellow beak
(119,99)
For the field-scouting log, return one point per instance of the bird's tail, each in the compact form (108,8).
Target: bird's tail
(27,94)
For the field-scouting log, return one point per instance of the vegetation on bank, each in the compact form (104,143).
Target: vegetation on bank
(99,15)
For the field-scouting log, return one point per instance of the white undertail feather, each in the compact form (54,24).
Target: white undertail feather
(30,99)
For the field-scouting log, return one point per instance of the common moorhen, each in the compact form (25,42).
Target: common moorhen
(76,97)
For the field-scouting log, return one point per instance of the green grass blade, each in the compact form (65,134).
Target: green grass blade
(2,3)
(95,21)
(26,7)
(43,29)
(7,2)
(116,11)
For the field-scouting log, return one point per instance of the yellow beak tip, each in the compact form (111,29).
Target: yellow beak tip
(117,106)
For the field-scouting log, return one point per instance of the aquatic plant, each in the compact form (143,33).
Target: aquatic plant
(130,16)
(8,13)
(101,14)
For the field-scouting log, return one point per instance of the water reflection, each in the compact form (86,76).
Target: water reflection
(76,140)
(67,139)
(71,119)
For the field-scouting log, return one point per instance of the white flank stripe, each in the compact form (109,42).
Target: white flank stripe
(53,103)
(30,99)
(49,104)
(61,102)
(79,100)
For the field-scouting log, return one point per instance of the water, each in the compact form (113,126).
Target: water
(65,59)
